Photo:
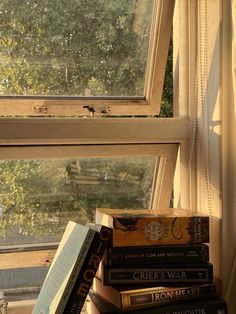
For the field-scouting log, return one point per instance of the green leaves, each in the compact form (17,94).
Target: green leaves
(60,47)
(38,197)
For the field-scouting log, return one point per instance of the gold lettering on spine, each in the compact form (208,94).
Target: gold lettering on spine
(83,289)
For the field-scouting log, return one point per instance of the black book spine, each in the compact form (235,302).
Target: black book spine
(171,295)
(213,305)
(159,275)
(84,281)
(162,254)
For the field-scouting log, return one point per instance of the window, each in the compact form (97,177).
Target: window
(198,39)
(74,58)
(38,197)
(66,156)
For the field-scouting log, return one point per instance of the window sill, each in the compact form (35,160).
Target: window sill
(20,307)
(23,307)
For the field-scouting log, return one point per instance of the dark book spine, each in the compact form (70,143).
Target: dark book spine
(161,254)
(213,305)
(210,306)
(88,271)
(170,295)
(159,275)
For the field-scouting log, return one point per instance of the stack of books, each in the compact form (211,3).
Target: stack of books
(155,263)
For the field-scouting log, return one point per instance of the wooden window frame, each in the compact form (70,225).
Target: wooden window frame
(85,106)
(41,255)
(164,172)
(41,138)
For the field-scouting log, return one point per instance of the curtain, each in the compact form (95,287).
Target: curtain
(229,159)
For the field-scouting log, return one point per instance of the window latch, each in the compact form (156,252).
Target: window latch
(98,109)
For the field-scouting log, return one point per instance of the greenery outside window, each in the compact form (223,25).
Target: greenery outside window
(76,58)
(39,196)
(119,71)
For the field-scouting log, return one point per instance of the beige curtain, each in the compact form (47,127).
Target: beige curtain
(229,164)
(233,14)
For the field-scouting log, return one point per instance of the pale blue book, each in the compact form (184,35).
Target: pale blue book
(64,269)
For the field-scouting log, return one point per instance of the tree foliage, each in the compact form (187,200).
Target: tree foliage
(38,197)
(68,47)
(72,47)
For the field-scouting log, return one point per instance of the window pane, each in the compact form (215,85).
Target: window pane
(74,47)
(38,197)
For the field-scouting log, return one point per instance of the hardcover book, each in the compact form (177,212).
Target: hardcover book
(152,227)
(157,254)
(73,268)
(125,298)
(215,305)
(158,275)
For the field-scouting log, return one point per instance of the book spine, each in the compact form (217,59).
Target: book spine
(133,300)
(211,305)
(158,275)
(164,254)
(160,230)
(88,271)
(81,258)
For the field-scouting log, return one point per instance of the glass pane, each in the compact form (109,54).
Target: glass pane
(39,197)
(74,47)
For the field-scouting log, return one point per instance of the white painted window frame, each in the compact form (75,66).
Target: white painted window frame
(166,155)
(91,137)
(149,104)
(58,138)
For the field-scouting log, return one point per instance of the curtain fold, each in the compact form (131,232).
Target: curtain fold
(229,176)
(233,11)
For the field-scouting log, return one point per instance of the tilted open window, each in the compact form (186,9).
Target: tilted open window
(74,58)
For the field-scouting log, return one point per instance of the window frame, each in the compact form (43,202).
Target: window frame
(33,135)
(44,138)
(164,172)
(41,254)
(87,106)
(40,138)
(37,138)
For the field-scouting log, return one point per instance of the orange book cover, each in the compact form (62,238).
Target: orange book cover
(152,227)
